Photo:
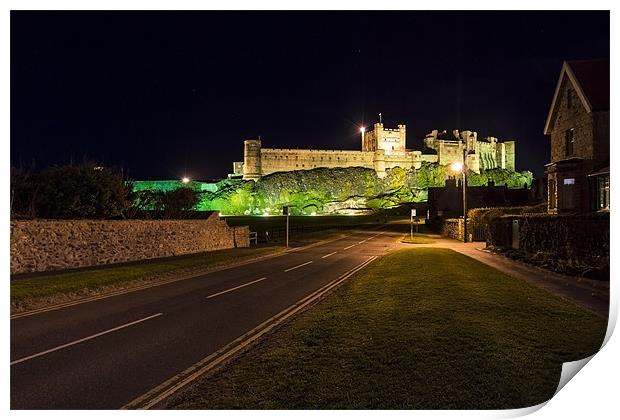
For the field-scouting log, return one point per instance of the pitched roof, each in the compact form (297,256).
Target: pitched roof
(590,78)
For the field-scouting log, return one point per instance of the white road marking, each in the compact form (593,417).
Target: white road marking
(350,246)
(81,340)
(361,242)
(329,255)
(235,288)
(297,266)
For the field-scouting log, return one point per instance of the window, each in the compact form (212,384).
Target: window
(602,190)
(569,141)
(569,181)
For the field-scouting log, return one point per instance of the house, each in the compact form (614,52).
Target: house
(578,123)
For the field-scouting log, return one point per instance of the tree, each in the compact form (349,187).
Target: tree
(178,203)
(81,192)
(24,189)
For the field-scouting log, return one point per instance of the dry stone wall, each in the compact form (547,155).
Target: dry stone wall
(41,245)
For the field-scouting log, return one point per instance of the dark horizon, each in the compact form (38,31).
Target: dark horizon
(168,94)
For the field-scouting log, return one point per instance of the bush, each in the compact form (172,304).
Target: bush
(67,192)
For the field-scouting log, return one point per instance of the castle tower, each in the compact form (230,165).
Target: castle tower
(391,140)
(379,162)
(251,159)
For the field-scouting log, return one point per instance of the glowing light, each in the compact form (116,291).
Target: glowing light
(266,214)
(362,129)
(313,213)
(185,180)
(457,166)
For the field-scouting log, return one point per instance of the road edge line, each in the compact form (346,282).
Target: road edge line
(217,358)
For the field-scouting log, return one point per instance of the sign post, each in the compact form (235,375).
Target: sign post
(413,213)
(285,212)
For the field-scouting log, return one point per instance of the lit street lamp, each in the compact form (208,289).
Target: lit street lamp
(185,180)
(362,131)
(462,168)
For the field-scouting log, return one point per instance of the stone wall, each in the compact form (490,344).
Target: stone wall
(453,228)
(42,245)
(584,237)
(284,160)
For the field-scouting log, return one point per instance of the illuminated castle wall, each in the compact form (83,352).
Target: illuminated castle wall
(382,148)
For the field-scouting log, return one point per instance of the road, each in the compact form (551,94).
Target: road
(105,353)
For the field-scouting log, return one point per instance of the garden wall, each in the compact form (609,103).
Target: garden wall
(580,237)
(453,228)
(41,245)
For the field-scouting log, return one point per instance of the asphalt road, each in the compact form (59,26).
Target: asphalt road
(103,354)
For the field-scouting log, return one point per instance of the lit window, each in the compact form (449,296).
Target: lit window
(603,193)
(569,181)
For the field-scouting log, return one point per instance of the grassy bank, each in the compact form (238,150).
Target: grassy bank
(40,290)
(420,329)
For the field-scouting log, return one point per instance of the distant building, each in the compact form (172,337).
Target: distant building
(485,153)
(447,201)
(578,123)
(382,148)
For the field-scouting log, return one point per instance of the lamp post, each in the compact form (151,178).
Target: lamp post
(362,131)
(462,167)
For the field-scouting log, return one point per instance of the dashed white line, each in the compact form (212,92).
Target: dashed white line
(235,288)
(81,340)
(297,266)
(350,246)
(329,255)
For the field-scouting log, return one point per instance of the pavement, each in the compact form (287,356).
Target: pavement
(105,353)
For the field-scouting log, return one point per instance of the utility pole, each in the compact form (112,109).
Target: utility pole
(465,194)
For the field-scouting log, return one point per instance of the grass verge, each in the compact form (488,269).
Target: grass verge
(43,290)
(422,328)
(417,239)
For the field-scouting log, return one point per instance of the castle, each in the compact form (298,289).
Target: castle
(382,148)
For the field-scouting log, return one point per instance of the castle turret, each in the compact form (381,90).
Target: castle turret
(251,159)
(379,162)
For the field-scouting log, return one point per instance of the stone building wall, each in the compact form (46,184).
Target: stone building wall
(575,117)
(283,160)
(42,245)
(570,113)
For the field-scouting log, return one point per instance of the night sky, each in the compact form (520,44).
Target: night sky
(163,94)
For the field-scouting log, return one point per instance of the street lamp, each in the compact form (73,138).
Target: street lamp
(462,168)
(362,131)
(185,180)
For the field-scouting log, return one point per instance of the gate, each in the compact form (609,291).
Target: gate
(479,234)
